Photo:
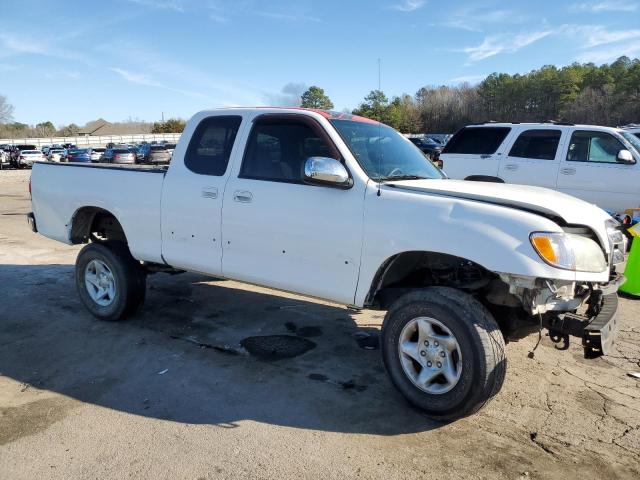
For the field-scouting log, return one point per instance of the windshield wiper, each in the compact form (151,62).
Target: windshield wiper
(401,177)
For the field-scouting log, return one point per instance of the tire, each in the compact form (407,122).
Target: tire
(481,364)
(129,280)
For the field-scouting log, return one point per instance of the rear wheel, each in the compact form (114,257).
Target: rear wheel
(110,282)
(444,352)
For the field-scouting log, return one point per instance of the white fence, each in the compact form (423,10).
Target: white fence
(94,141)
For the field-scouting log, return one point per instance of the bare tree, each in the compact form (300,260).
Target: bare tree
(6,110)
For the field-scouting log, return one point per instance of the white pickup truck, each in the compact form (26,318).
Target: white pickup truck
(345,209)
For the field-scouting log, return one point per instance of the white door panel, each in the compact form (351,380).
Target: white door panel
(520,165)
(589,171)
(293,237)
(193,193)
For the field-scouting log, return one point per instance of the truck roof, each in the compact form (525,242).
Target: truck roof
(328,114)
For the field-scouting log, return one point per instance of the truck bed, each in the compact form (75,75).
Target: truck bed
(59,190)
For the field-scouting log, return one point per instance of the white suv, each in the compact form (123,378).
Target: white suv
(597,164)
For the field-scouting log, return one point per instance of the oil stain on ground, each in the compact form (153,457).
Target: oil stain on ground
(277,347)
(30,418)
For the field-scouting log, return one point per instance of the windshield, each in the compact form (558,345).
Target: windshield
(121,150)
(632,139)
(56,150)
(383,153)
(79,151)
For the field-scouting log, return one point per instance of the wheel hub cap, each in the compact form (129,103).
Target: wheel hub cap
(100,282)
(430,355)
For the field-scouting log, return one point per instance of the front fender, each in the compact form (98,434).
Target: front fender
(493,236)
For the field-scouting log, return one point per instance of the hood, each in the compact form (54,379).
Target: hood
(534,199)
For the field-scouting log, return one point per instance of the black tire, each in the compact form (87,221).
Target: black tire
(130,280)
(481,344)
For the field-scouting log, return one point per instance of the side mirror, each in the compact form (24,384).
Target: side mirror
(326,171)
(625,156)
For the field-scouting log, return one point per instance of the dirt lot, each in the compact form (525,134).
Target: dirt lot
(172,394)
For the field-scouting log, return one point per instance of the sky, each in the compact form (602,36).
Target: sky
(75,61)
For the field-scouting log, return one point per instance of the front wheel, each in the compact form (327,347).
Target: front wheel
(444,352)
(110,282)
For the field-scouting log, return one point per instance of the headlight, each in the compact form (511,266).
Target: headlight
(569,251)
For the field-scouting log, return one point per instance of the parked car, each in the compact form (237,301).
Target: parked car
(428,146)
(97,153)
(597,164)
(5,156)
(45,149)
(55,154)
(68,146)
(26,158)
(119,154)
(153,153)
(633,128)
(16,152)
(170,148)
(344,209)
(82,155)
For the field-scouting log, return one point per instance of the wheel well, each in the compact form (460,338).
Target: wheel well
(484,178)
(411,270)
(95,223)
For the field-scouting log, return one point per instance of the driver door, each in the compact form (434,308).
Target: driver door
(283,233)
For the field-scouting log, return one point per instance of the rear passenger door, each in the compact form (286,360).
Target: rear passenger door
(474,152)
(533,158)
(192,196)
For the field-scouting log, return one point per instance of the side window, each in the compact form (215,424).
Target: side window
(210,147)
(537,144)
(597,147)
(278,148)
(477,140)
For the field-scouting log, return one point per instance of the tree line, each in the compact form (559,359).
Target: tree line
(608,94)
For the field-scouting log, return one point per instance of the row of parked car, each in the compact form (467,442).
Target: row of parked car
(24,155)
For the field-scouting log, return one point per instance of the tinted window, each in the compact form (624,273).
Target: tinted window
(210,147)
(598,147)
(278,148)
(537,144)
(477,140)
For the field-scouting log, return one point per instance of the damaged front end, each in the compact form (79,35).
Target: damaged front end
(570,309)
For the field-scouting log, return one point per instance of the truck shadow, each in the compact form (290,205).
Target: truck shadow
(181,358)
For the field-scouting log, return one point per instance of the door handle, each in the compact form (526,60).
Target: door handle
(242,196)
(210,192)
(511,166)
(568,171)
(485,156)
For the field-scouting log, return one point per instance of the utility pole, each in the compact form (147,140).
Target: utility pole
(162,117)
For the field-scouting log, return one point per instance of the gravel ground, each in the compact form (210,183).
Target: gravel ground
(172,394)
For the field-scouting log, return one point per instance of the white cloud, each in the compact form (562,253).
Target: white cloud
(409,5)
(504,43)
(605,6)
(148,81)
(289,96)
(161,4)
(609,54)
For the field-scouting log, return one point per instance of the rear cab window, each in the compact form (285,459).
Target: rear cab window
(211,144)
(477,140)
